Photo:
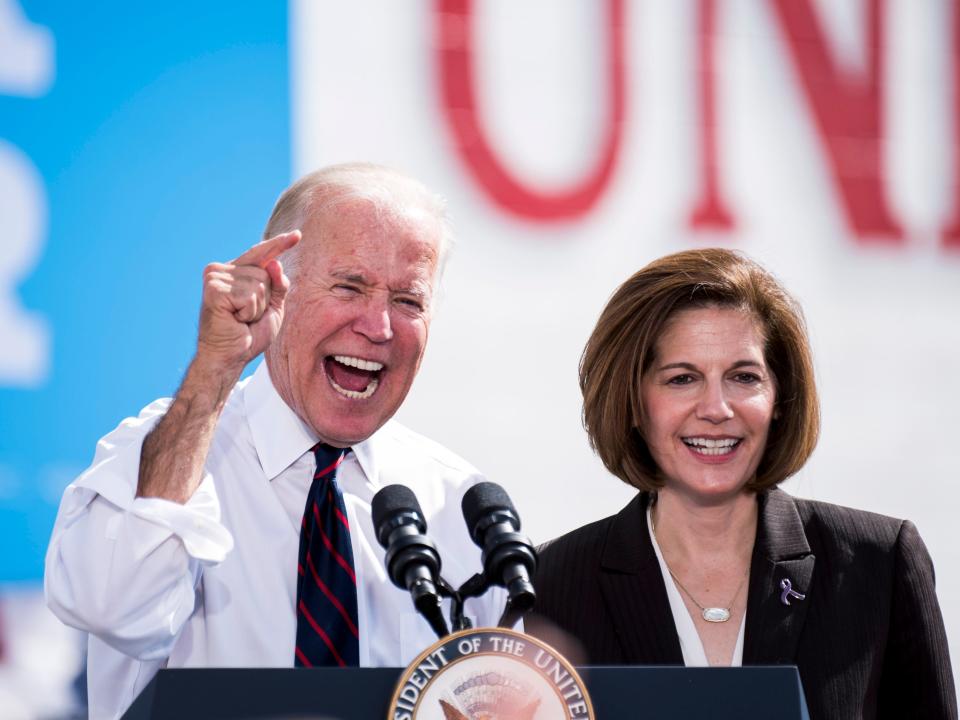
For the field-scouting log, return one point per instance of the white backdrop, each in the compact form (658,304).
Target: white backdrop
(499,383)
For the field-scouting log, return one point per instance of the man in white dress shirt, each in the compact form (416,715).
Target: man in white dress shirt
(178,546)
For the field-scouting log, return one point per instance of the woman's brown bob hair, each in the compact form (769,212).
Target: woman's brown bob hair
(621,349)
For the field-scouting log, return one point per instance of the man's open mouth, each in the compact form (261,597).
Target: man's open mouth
(353,377)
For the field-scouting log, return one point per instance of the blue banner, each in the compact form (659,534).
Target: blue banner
(137,143)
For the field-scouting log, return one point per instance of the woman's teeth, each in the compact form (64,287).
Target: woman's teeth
(709,446)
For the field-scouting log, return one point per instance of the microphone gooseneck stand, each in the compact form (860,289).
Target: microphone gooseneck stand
(413,562)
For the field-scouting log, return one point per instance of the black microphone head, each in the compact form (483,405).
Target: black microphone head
(484,498)
(391,500)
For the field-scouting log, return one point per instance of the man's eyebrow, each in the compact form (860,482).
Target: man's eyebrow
(419,290)
(350,276)
(415,290)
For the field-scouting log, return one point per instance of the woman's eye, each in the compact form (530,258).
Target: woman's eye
(680,380)
(747,378)
(346,288)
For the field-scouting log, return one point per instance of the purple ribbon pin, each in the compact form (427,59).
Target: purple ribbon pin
(789,592)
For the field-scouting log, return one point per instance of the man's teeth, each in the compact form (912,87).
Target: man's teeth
(709,446)
(354,394)
(358,363)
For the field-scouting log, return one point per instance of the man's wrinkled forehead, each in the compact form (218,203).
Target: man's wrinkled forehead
(411,233)
(352,247)
(410,208)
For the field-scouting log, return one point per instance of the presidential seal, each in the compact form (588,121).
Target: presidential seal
(490,674)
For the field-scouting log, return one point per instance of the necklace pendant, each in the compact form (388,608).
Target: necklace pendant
(716,614)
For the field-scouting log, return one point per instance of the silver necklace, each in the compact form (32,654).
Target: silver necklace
(710,614)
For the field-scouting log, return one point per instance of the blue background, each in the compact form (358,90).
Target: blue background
(162,143)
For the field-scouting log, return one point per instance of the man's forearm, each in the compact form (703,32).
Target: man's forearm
(173,454)
(240,314)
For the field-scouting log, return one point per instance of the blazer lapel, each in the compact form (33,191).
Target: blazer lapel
(781,553)
(633,591)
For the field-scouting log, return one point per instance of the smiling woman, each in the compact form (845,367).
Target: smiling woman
(699,390)
(707,402)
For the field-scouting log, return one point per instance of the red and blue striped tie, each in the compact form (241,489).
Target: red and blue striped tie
(326,581)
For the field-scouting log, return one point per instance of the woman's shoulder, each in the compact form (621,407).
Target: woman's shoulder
(852,529)
(585,545)
(585,540)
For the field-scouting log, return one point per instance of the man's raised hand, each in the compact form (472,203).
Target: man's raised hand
(242,306)
(240,315)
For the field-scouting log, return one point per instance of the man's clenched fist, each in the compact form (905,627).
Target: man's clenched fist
(242,306)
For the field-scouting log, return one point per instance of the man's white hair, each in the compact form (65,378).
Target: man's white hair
(389,191)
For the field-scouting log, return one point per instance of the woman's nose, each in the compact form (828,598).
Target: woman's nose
(714,406)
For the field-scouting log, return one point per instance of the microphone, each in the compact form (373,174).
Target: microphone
(412,560)
(508,556)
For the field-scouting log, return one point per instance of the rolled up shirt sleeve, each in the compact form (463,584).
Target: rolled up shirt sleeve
(126,569)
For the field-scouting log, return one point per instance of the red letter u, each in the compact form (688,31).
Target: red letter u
(454,30)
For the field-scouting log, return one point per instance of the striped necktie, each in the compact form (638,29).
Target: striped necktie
(326,582)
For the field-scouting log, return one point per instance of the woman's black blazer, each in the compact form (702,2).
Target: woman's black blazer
(868,639)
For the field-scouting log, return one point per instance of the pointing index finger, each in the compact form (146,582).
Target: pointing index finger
(263,252)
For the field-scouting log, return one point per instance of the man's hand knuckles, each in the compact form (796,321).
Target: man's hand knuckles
(248,313)
(246,285)
(218,269)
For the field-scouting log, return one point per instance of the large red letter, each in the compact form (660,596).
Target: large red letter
(710,211)
(455,63)
(951,233)
(847,111)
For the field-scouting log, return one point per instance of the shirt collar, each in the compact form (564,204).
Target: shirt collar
(281,437)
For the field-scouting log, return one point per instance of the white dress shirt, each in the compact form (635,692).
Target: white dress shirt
(693,653)
(213,582)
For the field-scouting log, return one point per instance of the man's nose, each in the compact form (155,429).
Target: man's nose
(373,321)
(714,405)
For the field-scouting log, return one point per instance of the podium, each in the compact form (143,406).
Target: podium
(642,692)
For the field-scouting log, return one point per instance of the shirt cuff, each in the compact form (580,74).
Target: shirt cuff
(196,523)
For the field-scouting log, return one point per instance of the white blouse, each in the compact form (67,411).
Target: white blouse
(693,652)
